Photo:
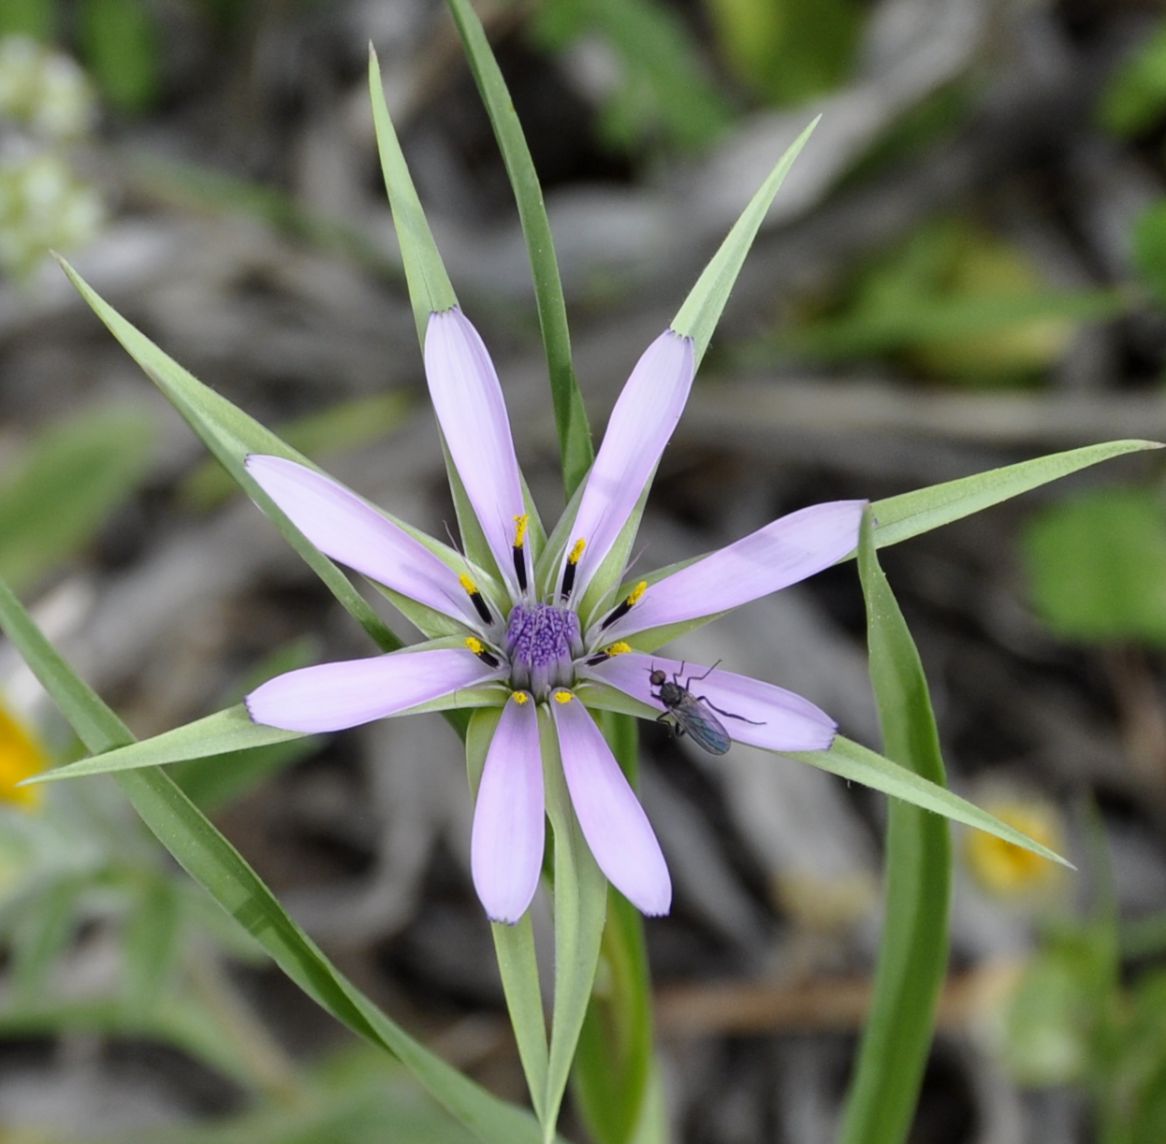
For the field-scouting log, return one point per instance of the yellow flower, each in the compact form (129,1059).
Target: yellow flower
(1004,869)
(21,756)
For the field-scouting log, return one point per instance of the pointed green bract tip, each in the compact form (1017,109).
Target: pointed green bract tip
(702,309)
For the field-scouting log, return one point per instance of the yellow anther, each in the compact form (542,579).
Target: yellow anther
(520,523)
(470,587)
(520,697)
(636,593)
(577,551)
(563,697)
(475,645)
(620,648)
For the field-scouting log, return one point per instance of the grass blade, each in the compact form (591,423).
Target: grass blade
(217,734)
(910,514)
(514,946)
(701,311)
(429,286)
(580,912)
(571,424)
(614,1063)
(856,763)
(913,954)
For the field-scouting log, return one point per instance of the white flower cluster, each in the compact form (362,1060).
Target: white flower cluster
(46,105)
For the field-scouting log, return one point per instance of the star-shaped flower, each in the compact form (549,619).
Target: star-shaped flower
(548,624)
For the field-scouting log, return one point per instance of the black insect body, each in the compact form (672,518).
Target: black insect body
(692,714)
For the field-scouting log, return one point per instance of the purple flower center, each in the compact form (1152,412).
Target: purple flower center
(542,642)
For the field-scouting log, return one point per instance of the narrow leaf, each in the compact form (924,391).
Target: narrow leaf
(913,954)
(430,289)
(231,435)
(570,414)
(701,311)
(580,911)
(614,1062)
(850,760)
(910,514)
(217,734)
(429,286)
(514,946)
(213,862)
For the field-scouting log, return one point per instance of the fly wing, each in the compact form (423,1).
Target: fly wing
(698,721)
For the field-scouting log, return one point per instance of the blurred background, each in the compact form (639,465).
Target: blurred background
(966,268)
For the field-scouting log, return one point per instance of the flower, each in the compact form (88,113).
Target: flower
(1008,871)
(537,624)
(21,757)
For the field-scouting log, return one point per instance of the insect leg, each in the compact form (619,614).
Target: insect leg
(729,714)
(697,678)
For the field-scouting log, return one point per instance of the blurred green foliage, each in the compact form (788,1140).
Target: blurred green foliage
(351,1097)
(118,40)
(1096,566)
(35,18)
(787,50)
(954,302)
(1134,100)
(663,92)
(1077,1018)
(60,490)
(1149,249)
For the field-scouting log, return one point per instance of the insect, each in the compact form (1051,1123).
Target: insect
(692,714)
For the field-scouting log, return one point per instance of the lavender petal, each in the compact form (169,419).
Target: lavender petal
(611,818)
(333,696)
(506,846)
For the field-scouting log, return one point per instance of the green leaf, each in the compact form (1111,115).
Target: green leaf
(911,514)
(1097,566)
(218,734)
(213,862)
(701,311)
(348,425)
(856,763)
(225,733)
(614,1061)
(580,909)
(913,954)
(231,435)
(63,488)
(430,289)
(570,414)
(902,517)
(514,946)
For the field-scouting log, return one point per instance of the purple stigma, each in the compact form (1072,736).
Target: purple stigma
(542,642)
